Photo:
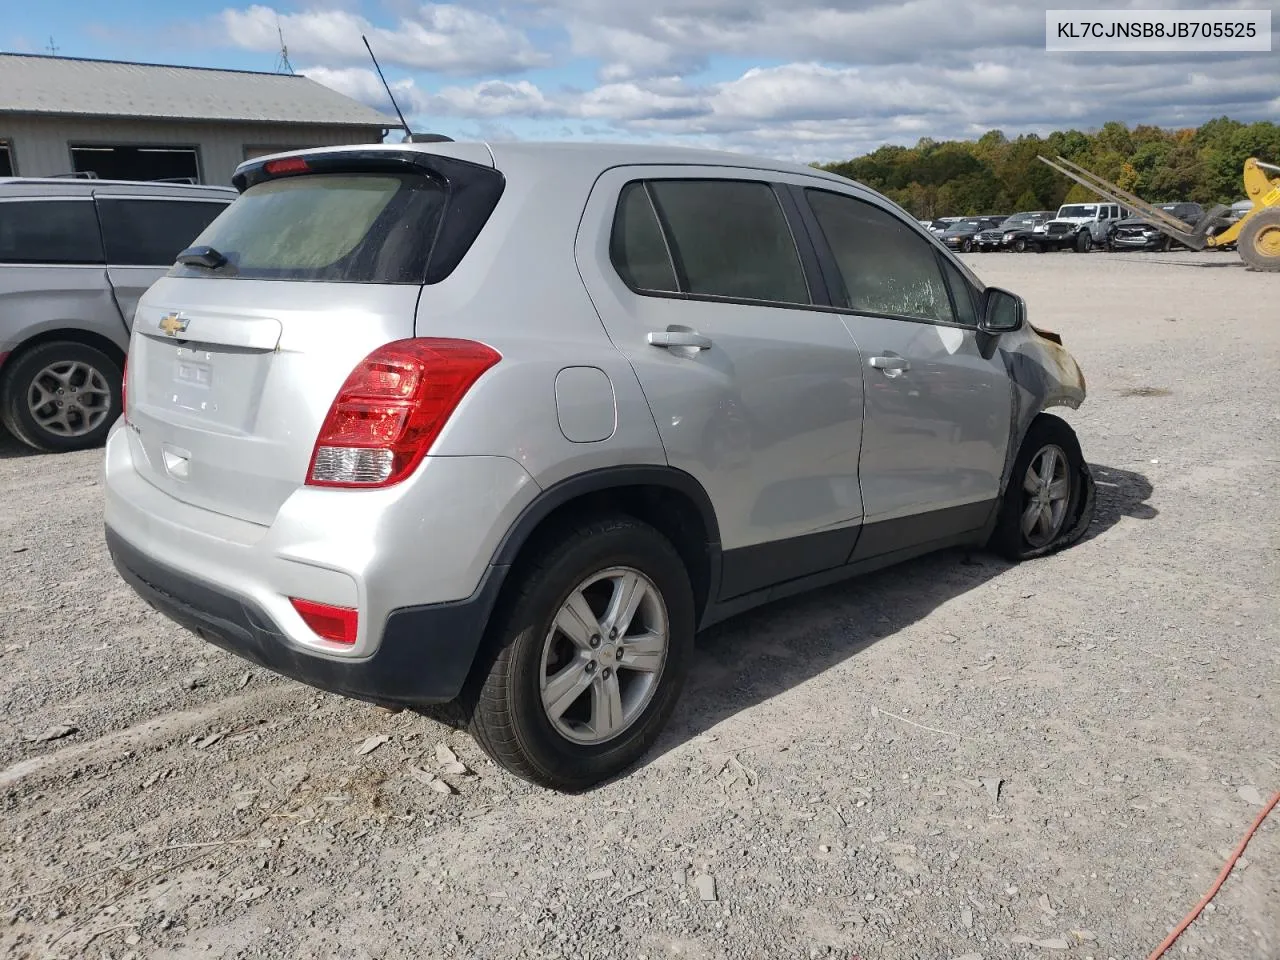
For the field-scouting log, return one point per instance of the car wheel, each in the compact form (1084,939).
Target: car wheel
(61,396)
(1084,242)
(587,658)
(1259,241)
(1045,504)
(1019,245)
(966,246)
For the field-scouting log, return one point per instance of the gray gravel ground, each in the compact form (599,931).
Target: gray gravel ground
(952,758)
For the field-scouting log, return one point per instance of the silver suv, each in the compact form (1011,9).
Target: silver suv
(505,426)
(75,256)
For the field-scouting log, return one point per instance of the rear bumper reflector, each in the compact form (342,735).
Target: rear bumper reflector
(339,624)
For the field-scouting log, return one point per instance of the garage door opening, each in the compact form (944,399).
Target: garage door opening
(178,164)
(6,160)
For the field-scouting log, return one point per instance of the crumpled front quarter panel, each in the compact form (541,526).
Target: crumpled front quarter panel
(1042,375)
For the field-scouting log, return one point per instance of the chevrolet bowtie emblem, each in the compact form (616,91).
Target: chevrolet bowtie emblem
(172,324)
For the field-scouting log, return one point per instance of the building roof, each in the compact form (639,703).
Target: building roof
(65,86)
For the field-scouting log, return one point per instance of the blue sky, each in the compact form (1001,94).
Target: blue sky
(803,79)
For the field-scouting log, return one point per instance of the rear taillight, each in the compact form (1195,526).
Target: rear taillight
(338,624)
(391,409)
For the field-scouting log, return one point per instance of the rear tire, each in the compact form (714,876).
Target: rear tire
(1057,506)
(1259,241)
(61,396)
(535,665)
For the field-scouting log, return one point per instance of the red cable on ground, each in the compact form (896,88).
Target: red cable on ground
(1217,884)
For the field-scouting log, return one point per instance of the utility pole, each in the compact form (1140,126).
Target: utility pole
(53,48)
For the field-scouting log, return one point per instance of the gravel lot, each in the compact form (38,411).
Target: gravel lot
(954,758)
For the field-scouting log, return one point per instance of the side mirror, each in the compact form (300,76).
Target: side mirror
(1002,311)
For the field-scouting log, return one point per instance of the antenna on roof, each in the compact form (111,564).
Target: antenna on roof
(386,86)
(282,62)
(53,48)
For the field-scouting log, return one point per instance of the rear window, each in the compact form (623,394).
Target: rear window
(344,228)
(49,231)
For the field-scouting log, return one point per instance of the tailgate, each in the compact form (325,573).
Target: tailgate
(229,381)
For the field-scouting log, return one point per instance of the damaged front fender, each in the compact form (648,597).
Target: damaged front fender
(1043,375)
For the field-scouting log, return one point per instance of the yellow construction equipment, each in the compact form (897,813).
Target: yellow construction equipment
(1256,234)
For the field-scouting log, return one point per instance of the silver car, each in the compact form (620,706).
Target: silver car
(75,256)
(505,426)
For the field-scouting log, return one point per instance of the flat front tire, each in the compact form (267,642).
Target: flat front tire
(587,656)
(1043,505)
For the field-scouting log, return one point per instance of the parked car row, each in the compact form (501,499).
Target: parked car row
(1080,227)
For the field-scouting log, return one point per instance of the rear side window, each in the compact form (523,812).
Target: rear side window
(730,238)
(345,228)
(152,233)
(637,246)
(887,268)
(49,231)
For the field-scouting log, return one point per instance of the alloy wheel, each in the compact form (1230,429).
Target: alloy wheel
(1046,490)
(603,657)
(69,398)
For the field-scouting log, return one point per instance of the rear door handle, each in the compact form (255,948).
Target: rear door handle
(891,365)
(679,338)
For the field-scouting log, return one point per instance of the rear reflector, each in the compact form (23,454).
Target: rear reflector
(287,165)
(338,624)
(392,408)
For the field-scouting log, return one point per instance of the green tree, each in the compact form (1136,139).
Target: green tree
(959,178)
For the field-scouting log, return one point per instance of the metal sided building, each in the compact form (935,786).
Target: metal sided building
(136,121)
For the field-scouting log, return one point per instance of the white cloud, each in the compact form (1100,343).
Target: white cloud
(855,74)
(440,37)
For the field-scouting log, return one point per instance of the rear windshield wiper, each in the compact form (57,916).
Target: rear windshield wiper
(206,257)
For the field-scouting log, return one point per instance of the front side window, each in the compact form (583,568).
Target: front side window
(887,269)
(151,233)
(730,238)
(962,295)
(49,231)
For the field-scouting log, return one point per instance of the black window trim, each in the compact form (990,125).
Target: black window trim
(98,198)
(800,239)
(61,264)
(830,270)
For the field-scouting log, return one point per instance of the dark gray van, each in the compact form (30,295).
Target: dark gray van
(75,256)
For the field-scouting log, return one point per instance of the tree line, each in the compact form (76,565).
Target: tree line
(993,174)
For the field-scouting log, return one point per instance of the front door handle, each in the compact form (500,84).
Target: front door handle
(891,365)
(679,338)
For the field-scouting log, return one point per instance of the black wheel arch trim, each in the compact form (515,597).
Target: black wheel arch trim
(600,481)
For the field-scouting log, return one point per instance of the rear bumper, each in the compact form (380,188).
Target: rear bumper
(424,657)
(415,561)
